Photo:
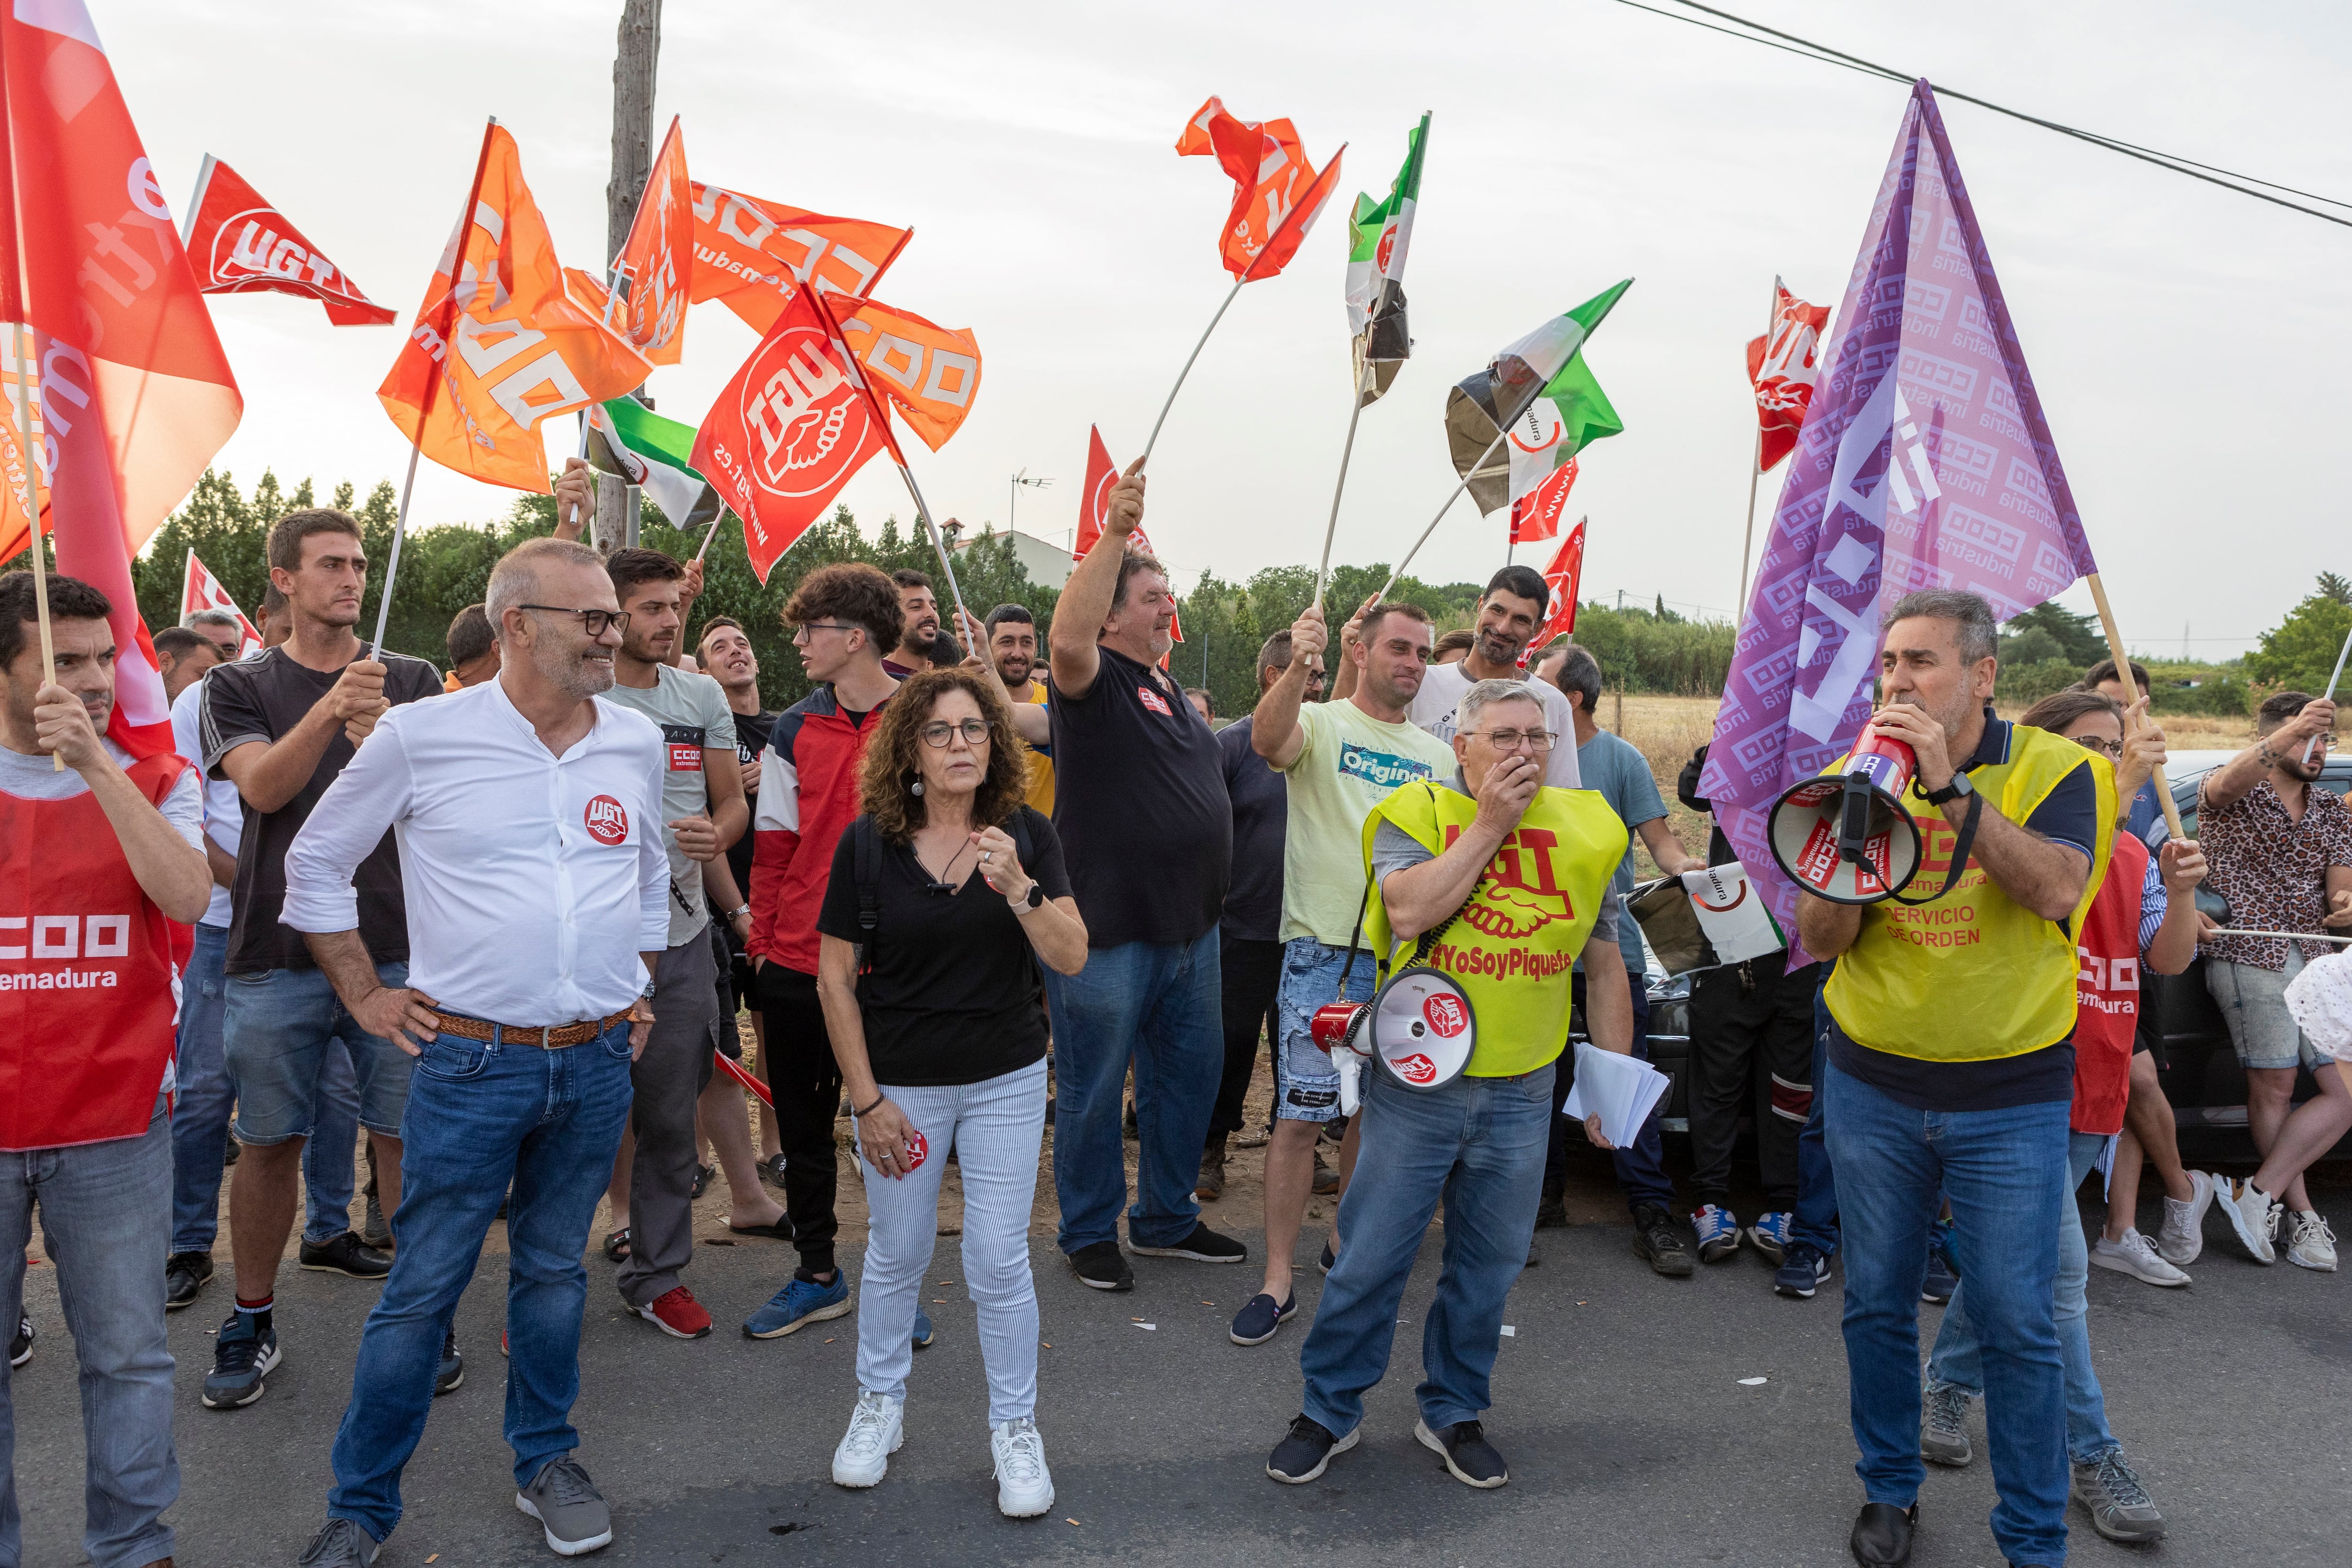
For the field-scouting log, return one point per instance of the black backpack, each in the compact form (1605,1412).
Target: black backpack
(866,859)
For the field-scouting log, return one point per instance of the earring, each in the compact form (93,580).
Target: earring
(917,788)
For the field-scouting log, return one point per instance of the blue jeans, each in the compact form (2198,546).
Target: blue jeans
(201,1104)
(2005,1172)
(327,1178)
(1957,1361)
(1159,1003)
(105,1216)
(1306,1081)
(1642,1169)
(1816,1205)
(1478,1143)
(480,1114)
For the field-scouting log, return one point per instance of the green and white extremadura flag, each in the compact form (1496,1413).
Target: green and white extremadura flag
(1379,234)
(652,453)
(1541,390)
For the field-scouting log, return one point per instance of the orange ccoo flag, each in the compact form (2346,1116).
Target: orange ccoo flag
(659,256)
(525,350)
(753,254)
(930,373)
(1272,181)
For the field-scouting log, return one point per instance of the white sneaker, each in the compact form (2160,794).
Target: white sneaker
(1025,1488)
(2182,1236)
(2136,1255)
(2313,1246)
(876,1431)
(2254,1215)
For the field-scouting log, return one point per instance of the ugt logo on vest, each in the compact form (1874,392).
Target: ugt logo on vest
(809,421)
(607,823)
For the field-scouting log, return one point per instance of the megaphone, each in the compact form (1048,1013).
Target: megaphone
(1848,838)
(1420,1027)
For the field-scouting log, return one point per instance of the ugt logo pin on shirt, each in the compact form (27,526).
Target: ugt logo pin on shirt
(607,823)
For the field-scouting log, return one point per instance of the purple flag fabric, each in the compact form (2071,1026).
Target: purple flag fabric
(1924,462)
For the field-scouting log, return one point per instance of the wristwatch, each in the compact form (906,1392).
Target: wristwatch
(1036,894)
(736,914)
(1950,792)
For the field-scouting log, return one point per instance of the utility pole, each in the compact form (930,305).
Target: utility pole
(636,56)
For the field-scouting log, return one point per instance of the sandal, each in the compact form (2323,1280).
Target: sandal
(781,1230)
(616,1246)
(771,1171)
(702,1174)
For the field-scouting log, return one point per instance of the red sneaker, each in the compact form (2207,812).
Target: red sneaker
(677,1311)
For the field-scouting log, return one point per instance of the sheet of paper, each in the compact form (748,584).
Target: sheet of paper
(1623,1090)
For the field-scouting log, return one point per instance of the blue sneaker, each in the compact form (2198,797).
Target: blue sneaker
(800,1303)
(1770,1234)
(1718,1232)
(922,1329)
(1802,1272)
(1260,1317)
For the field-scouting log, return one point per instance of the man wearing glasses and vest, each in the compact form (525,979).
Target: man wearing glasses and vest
(1951,1066)
(1512,877)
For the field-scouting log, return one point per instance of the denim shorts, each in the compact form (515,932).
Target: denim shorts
(275,1033)
(1306,1084)
(2253,1004)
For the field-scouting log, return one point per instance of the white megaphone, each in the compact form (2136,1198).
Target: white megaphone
(1420,1027)
(1847,837)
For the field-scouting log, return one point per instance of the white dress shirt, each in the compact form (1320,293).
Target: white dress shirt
(533,881)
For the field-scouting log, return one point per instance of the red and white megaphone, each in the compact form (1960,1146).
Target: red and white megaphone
(1847,837)
(1420,1027)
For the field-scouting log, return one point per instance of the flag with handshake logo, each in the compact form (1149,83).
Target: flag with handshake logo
(1924,462)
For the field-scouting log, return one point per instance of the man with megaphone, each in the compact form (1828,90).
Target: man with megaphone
(1504,883)
(1951,1061)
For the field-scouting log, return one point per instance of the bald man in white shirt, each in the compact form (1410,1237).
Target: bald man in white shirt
(529,815)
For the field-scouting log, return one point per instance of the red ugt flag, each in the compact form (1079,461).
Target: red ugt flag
(1534,516)
(1782,367)
(135,394)
(1277,192)
(1093,505)
(239,243)
(788,431)
(200,590)
(1564,576)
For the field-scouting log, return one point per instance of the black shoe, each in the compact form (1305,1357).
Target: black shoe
(452,1370)
(20,1348)
(702,1174)
(347,1254)
(1942,1279)
(241,1360)
(1335,1131)
(1203,1245)
(1801,1271)
(231,1151)
(1534,1258)
(1303,1454)
(771,1171)
(1551,1215)
(1211,1184)
(1101,1266)
(1882,1535)
(1655,1238)
(1049,1110)
(339,1545)
(1327,1180)
(1469,1457)
(1133,1133)
(1328,1261)
(185,1274)
(375,1231)
(1260,1317)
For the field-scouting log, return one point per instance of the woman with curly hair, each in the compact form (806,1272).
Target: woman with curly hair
(942,897)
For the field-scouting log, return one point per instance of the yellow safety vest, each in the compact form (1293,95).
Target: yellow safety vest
(1515,944)
(1973,975)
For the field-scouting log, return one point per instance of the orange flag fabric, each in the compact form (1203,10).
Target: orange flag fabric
(1277,192)
(788,431)
(930,373)
(659,256)
(238,243)
(1093,505)
(752,255)
(501,344)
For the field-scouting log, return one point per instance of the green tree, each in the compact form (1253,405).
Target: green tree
(2078,637)
(2300,652)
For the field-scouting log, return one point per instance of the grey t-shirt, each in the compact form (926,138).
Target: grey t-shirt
(692,712)
(1394,849)
(1614,766)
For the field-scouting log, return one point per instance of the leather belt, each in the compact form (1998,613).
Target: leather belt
(545,1037)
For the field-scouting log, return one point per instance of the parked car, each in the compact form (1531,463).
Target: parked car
(2199,1069)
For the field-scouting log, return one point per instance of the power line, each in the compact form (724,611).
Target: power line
(2210,174)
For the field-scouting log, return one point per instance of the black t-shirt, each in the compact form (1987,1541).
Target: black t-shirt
(263,699)
(950,992)
(1139,801)
(751,739)
(1261,800)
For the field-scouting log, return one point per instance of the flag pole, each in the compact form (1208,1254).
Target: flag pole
(1279,230)
(1322,567)
(1755,467)
(588,415)
(705,548)
(33,512)
(2330,694)
(1491,449)
(416,446)
(2123,679)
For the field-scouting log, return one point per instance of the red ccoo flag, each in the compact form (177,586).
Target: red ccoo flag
(200,590)
(1564,576)
(239,243)
(1783,366)
(788,431)
(135,394)
(1093,505)
(1273,181)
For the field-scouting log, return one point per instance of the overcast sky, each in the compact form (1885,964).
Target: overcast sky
(2181,335)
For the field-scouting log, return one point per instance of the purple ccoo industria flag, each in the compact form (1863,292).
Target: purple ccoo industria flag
(1924,462)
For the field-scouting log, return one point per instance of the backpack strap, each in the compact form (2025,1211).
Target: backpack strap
(866,855)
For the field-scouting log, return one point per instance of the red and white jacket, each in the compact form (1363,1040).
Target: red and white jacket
(808,798)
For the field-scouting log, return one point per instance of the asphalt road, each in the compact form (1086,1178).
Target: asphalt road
(1621,1410)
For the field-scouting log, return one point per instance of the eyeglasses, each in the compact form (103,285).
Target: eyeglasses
(1511,740)
(2112,749)
(808,626)
(936,734)
(593,622)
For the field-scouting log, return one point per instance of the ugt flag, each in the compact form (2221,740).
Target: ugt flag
(200,590)
(238,243)
(1783,366)
(1924,462)
(1094,506)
